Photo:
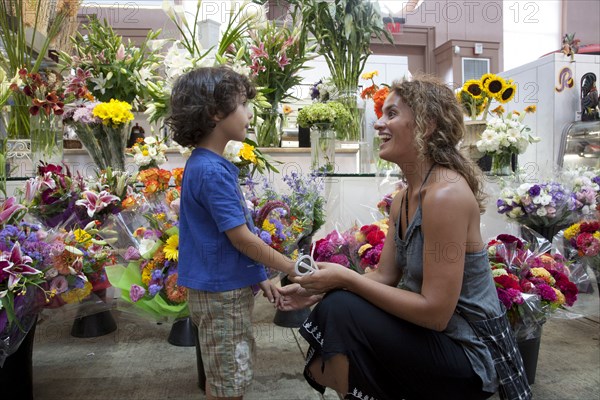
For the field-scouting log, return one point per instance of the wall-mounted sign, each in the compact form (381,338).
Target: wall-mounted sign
(394,25)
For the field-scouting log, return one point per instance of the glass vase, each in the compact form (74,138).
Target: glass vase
(354,131)
(501,164)
(269,132)
(104,143)
(46,137)
(322,148)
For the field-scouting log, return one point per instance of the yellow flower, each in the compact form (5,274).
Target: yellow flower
(494,85)
(572,231)
(113,113)
(560,298)
(543,274)
(247,153)
(530,109)
(364,248)
(596,235)
(474,88)
(507,93)
(147,273)
(268,226)
(287,109)
(369,75)
(76,295)
(81,236)
(172,248)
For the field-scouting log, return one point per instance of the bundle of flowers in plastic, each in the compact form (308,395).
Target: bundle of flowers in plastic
(358,248)
(538,206)
(583,243)
(51,196)
(301,208)
(531,282)
(585,185)
(149,281)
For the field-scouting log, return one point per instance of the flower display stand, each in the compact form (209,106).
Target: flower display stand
(183,333)
(529,350)
(16,375)
(94,325)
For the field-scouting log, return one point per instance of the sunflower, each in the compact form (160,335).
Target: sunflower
(172,248)
(494,85)
(474,88)
(507,93)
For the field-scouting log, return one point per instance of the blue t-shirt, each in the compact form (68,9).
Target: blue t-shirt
(212,203)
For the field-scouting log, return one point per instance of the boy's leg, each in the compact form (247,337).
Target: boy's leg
(224,322)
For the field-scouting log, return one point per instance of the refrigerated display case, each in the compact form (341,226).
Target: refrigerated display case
(580,145)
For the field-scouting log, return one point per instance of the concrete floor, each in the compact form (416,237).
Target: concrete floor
(137,362)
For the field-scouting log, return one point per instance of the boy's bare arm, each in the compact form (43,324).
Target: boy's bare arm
(252,246)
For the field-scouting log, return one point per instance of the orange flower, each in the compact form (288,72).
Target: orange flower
(128,202)
(172,194)
(151,187)
(368,92)
(287,109)
(164,176)
(178,175)
(379,98)
(148,175)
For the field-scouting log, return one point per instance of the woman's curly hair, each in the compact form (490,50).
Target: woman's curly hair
(434,103)
(201,95)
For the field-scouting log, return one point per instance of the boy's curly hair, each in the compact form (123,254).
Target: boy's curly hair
(201,95)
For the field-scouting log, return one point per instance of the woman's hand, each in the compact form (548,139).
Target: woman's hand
(329,277)
(294,297)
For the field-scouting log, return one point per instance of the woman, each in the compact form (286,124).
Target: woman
(406,330)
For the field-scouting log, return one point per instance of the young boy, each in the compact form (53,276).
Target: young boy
(219,256)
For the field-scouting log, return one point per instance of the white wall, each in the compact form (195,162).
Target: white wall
(531,29)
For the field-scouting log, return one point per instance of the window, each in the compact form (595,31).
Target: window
(474,68)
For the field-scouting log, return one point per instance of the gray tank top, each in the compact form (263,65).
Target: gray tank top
(478,299)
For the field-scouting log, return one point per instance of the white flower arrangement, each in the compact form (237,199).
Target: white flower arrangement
(149,153)
(506,135)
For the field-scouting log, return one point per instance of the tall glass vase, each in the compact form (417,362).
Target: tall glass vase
(354,132)
(269,132)
(46,137)
(322,148)
(105,144)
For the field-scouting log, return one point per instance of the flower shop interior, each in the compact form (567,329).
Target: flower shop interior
(90,175)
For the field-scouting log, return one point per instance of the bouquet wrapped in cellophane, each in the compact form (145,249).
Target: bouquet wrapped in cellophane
(148,280)
(358,247)
(532,283)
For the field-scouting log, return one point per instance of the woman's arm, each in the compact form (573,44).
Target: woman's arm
(446,214)
(252,246)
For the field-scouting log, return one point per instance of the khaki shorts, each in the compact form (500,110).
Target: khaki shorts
(224,321)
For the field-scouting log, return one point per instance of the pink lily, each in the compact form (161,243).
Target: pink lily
(283,61)
(256,68)
(8,209)
(16,265)
(259,52)
(96,202)
(32,186)
(48,181)
(120,53)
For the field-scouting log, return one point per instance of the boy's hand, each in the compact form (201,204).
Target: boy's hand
(270,291)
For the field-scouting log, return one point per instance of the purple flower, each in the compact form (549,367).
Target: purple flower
(59,284)
(154,289)
(157,274)
(340,259)
(534,190)
(136,292)
(132,254)
(546,292)
(264,235)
